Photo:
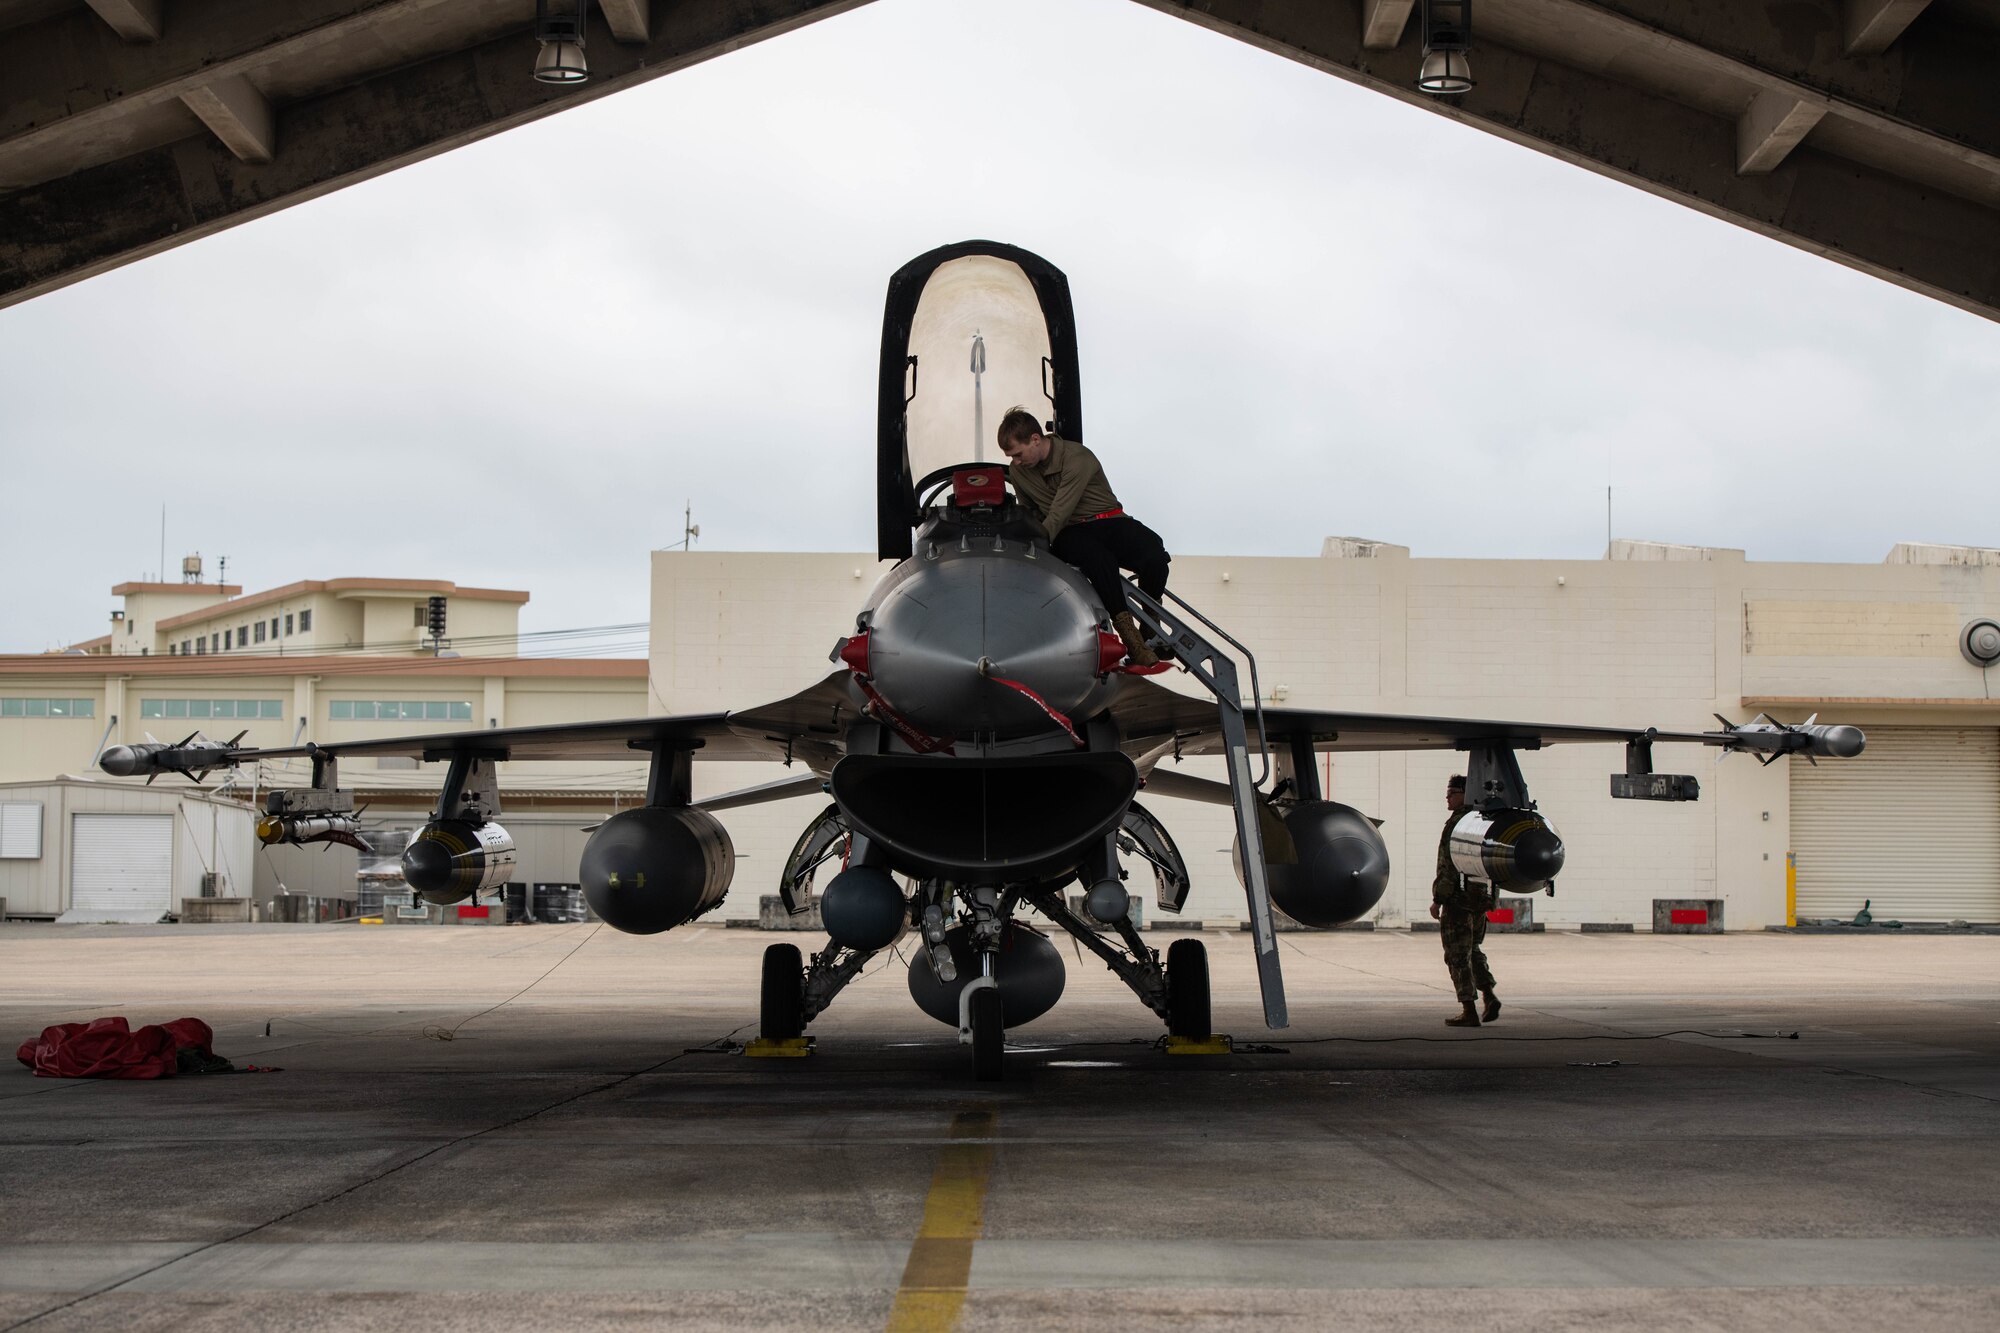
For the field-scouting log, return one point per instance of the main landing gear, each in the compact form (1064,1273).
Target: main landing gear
(985,948)
(792,993)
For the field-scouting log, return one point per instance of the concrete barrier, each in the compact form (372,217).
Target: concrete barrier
(210,911)
(1514,916)
(1687,916)
(771,915)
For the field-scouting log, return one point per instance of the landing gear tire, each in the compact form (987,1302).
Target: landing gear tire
(989,1035)
(781,1003)
(1188,1012)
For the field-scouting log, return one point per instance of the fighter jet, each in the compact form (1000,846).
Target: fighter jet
(983,740)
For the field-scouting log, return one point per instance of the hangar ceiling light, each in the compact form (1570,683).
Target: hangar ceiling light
(1447,27)
(560,59)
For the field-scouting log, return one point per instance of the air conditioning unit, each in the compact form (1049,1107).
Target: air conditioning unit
(211,883)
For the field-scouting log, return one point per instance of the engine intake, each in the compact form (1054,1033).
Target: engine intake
(984,820)
(656,867)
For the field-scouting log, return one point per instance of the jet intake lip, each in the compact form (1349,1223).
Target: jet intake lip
(984,820)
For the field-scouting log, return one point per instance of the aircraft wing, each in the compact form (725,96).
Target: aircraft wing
(1156,722)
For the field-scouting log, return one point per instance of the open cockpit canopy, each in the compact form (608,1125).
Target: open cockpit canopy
(970,330)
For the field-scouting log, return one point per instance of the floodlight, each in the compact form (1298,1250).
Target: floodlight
(1447,29)
(560,59)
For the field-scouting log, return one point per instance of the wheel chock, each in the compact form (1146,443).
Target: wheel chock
(779,1048)
(1214,1044)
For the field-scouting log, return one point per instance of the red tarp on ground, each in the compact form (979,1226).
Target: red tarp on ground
(108,1048)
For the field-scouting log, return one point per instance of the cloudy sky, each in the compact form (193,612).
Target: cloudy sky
(1303,308)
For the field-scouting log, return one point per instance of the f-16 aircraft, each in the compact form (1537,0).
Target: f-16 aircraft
(983,740)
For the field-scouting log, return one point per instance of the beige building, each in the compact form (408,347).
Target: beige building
(339,660)
(379,616)
(1655,635)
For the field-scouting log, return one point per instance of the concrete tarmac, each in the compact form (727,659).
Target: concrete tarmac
(544,1127)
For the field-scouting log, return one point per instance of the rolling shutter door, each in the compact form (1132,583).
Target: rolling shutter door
(121,863)
(1913,824)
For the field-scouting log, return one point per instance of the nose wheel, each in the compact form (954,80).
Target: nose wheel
(989,1034)
(781,1000)
(1188,1013)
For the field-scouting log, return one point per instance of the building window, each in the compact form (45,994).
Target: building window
(48,708)
(240,709)
(288,624)
(242,636)
(420,615)
(226,644)
(305,621)
(398,710)
(21,830)
(215,643)
(260,631)
(274,628)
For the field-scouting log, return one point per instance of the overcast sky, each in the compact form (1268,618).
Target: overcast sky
(1303,309)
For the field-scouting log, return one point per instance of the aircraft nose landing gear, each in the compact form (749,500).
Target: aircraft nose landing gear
(983,1025)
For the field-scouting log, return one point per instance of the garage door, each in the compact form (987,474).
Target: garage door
(122,864)
(1913,824)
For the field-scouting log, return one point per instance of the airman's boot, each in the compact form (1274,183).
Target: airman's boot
(1492,1009)
(1136,651)
(1468,1017)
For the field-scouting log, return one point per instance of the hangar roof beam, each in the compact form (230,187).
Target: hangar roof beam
(1888,163)
(131,172)
(1383,21)
(238,115)
(1872,25)
(630,20)
(134,20)
(1772,127)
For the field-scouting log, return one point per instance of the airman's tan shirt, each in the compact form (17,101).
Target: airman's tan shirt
(1068,487)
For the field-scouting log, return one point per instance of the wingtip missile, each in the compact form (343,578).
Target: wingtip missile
(1771,739)
(196,755)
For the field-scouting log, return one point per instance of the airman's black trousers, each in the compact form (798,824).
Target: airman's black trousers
(1103,546)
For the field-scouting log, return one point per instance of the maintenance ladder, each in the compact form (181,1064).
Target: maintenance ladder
(1216,671)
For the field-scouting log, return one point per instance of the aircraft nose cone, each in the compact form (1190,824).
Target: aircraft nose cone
(119,761)
(1844,742)
(427,866)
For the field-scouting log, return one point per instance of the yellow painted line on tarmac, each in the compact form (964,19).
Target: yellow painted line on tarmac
(940,1263)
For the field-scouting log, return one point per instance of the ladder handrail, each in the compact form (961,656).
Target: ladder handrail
(1256,689)
(1216,670)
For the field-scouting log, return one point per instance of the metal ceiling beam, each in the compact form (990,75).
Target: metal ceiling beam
(63,230)
(1620,90)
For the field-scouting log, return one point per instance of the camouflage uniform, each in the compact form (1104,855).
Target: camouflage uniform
(1462,906)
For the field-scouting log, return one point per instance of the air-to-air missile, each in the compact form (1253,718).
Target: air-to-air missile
(1769,739)
(193,757)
